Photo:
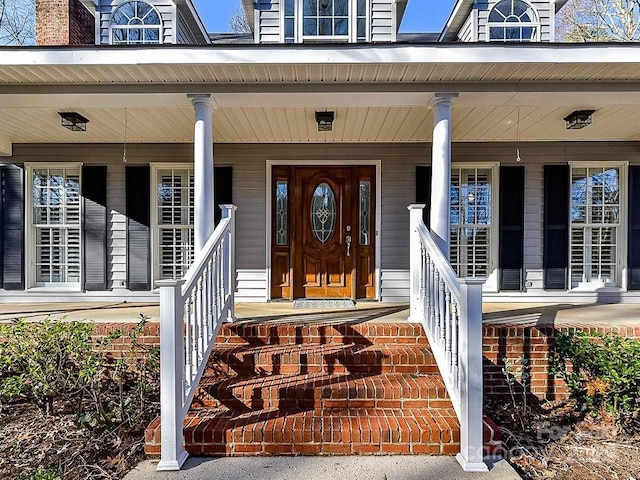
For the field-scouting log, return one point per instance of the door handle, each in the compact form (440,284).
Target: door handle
(348,245)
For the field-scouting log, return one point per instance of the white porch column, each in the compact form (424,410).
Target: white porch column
(204,207)
(441,170)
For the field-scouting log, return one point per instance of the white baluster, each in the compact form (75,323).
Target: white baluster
(200,320)
(443,313)
(188,343)
(448,323)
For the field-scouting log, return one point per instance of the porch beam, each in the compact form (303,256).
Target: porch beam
(441,170)
(496,86)
(204,205)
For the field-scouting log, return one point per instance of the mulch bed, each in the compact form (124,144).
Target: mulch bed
(563,444)
(29,441)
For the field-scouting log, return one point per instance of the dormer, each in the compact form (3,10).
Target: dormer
(501,21)
(325,21)
(148,22)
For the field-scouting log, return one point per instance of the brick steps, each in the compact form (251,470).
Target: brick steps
(322,391)
(321,387)
(354,432)
(334,358)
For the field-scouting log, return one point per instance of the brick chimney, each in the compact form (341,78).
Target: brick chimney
(64,22)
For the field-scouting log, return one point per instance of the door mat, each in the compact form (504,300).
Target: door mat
(324,303)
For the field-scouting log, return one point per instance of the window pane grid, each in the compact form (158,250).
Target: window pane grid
(471,221)
(56,224)
(323,18)
(595,224)
(135,22)
(175,216)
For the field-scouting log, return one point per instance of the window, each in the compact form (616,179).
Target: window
(135,22)
(595,225)
(513,21)
(325,20)
(55,225)
(471,221)
(173,229)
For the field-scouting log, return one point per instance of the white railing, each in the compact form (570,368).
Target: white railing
(450,310)
(192,310)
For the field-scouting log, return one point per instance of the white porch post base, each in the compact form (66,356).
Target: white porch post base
(471,466)
(471,427)
(415,259)
(172,466)
(172,453)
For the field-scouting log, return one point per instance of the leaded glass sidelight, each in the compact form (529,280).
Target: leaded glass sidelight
(282,213)
(323,212)
(365,213)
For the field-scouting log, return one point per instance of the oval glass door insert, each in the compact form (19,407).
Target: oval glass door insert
(323,212)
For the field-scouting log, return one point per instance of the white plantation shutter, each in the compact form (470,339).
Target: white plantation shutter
(471,221)
(175,213)
(595,224)
(56,225)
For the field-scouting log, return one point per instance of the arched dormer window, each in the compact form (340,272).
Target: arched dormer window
(135,22)
(513,21)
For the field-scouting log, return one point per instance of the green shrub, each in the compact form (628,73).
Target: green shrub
(602,371)
(42,361)
(45,474)
(58,361)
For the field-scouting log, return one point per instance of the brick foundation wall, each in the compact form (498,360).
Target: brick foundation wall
(64,22)
(535,344)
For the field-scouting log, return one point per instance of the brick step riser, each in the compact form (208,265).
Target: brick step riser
(324,393)
(257,404)
(322,340)
(362,334)
(339,369)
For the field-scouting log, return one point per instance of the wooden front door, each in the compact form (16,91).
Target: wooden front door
(323,240)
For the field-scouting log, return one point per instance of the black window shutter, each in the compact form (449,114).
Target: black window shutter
(423,192)
(634,228)
(138,197)
(511,242)
(94,193)
(556,226)
(12,222)
(222,189)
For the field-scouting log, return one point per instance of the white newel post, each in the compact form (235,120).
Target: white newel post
(229,211)
(441,170)
(415,263)
(172,454)
(204,203)
(471,441)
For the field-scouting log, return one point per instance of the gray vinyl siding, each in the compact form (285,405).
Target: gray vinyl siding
(542,7)
(466,33)
(383,21)
(268,12)
(183,33)
(166,8)
(398,162)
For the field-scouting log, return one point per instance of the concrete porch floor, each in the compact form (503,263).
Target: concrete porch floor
(627,315)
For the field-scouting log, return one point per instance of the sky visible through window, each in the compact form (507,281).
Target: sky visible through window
(421,15)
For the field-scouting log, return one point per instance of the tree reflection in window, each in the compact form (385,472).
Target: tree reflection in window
(135,22)
(513,21)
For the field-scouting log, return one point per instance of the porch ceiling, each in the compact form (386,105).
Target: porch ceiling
(379,93)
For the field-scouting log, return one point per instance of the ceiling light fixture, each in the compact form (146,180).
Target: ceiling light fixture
(73,121)
(325,121)
(578,119)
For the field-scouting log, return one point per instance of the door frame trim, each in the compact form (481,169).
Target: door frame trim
(336,163)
